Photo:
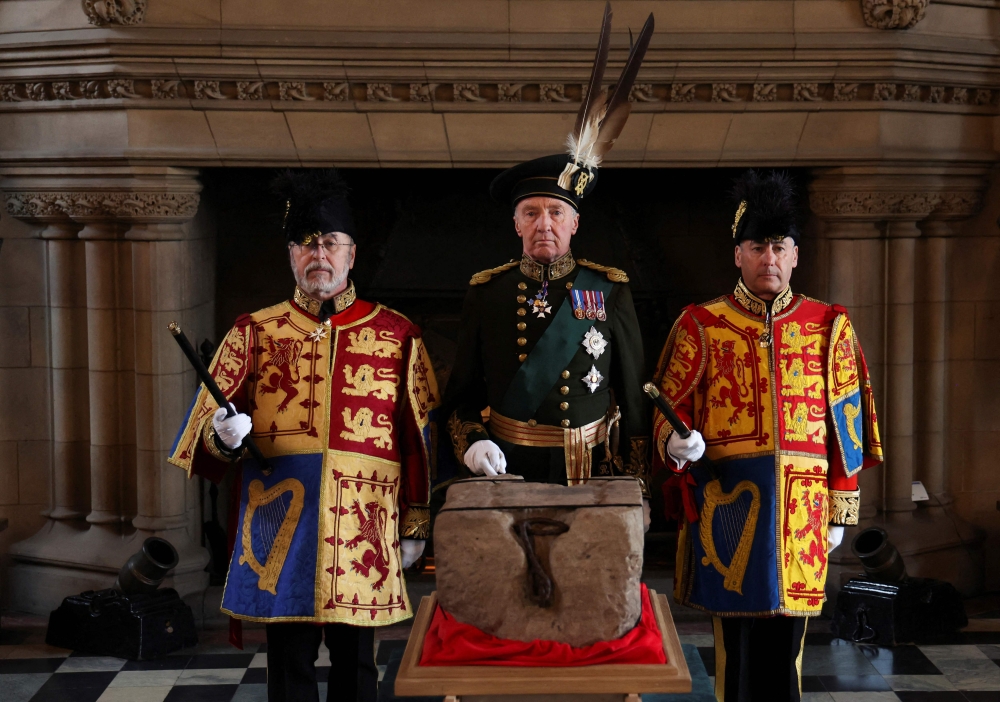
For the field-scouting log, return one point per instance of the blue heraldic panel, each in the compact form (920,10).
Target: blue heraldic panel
(273,569)
(850,428)
(735,551)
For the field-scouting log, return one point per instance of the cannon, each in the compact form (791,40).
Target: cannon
(134,619)
(887,607)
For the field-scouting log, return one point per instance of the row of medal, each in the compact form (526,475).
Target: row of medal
(589,304)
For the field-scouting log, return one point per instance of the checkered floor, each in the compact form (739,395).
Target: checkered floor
(962,668)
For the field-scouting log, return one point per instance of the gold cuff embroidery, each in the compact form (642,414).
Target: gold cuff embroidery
(416,524)
(460,431)
(208,435)
(638,463)
(844,507)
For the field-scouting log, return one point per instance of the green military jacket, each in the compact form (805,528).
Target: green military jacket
(500,328)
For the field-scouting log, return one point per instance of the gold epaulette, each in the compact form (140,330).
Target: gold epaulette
(484,276)
(615,275)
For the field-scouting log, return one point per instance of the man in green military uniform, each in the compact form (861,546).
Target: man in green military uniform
(550,344)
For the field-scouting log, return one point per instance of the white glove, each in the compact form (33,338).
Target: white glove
(684,450)
(834,535)
(411,549)
(485,458)
(231,430)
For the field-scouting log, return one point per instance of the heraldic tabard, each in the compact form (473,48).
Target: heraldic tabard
(343,411)
(786,410)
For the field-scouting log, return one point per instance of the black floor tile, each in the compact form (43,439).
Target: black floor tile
(935,696)
(387,647)
(981,696)
(254,676)
(854,683)
(818,638)
(220,660)
(812,683)
(168,663)
(201,693)
(74,687)
(29,665)
(901,660)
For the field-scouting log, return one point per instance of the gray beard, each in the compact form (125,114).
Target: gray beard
(318,289)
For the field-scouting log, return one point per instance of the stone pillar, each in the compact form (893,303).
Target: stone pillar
(898,400)
(120,389)
(163,380)
(931,361)
(70,389)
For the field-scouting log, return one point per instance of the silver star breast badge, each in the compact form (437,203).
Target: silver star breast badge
(593,378)
(594,342)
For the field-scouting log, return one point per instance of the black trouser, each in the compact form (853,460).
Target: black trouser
(292,650)
(759,659)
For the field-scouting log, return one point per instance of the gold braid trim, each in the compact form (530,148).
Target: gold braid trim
(416,523)
(615,275)
(638,463)
(844,507)
(484,276)
(460,431)
(208,434)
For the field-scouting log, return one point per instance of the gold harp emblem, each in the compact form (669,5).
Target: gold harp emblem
(276,525)
(737,524)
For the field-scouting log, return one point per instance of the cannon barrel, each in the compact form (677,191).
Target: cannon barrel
(879,557)
(145,570)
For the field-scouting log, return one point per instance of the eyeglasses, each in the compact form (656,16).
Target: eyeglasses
(329,246)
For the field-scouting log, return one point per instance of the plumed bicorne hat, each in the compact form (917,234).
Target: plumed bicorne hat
(572,176)
(765,207)
(315,203)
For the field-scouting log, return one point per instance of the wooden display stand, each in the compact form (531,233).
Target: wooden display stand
(482,683)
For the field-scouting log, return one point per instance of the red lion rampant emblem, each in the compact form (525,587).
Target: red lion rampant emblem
(815,511)
(285,362)
(372,531)
(729,367)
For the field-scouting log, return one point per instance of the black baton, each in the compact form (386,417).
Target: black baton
(661,404)
(209,382)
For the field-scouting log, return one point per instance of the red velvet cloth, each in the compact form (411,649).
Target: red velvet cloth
(451,642)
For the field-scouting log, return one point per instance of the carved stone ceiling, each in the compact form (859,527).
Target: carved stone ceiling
(737,81)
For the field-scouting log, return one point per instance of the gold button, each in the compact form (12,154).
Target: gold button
(521,311)
(521,357)
(522,286)
(565,374)
(521,341)
(565,423)
(564,406)
(532,423)
(522,299)
(521,326)
(569,285)
(564,390)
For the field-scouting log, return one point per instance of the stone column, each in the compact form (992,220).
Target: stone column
(161,248)
(898,402)
(70,389)
(109,285)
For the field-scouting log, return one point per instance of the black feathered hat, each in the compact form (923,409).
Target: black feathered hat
(766,207)
(572,176)
(315,203)
(540,178)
